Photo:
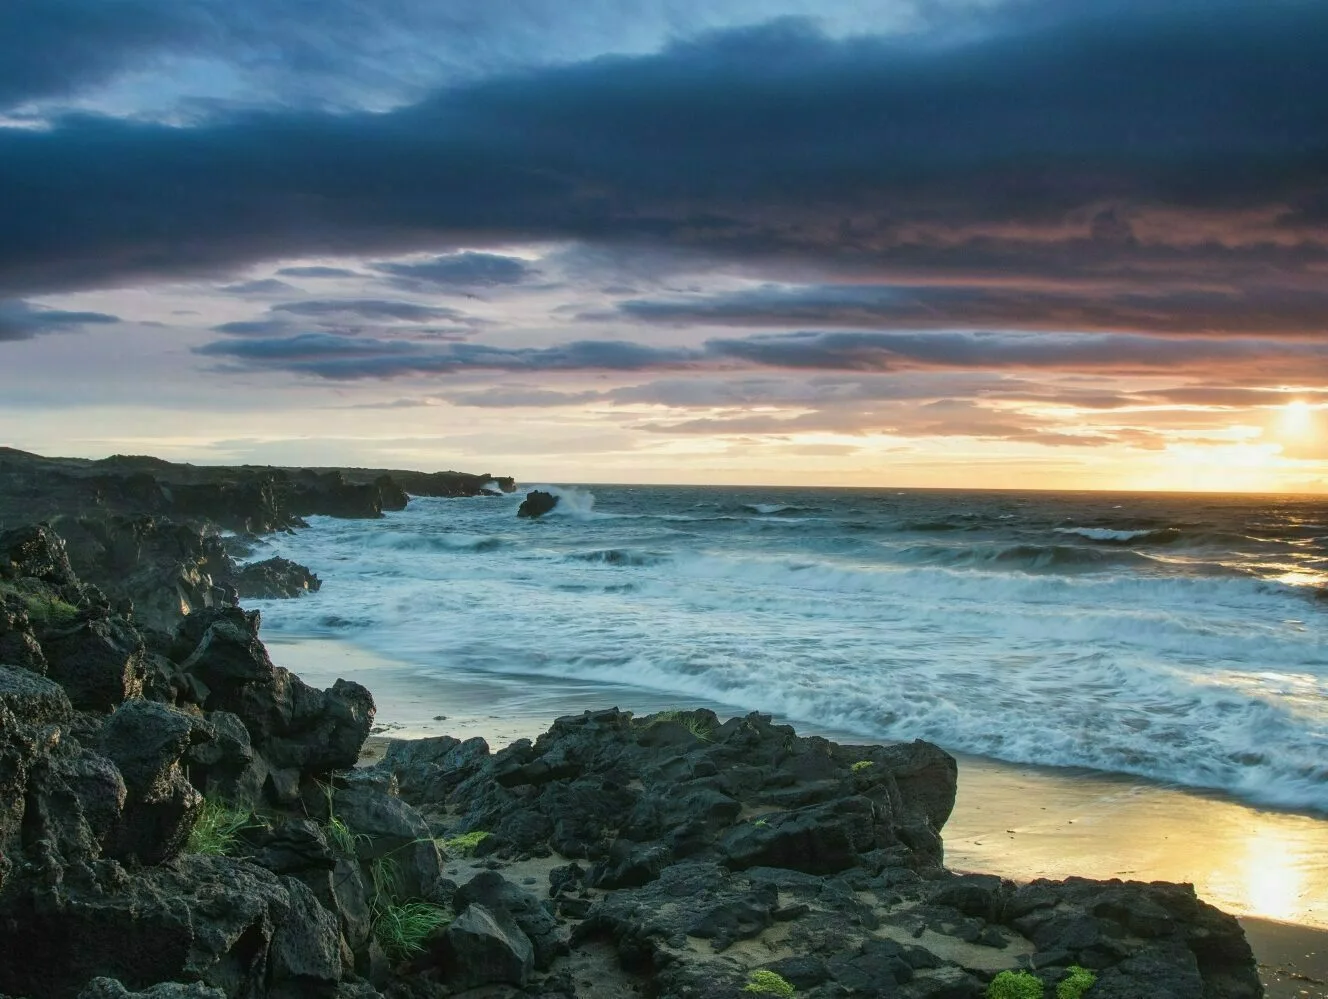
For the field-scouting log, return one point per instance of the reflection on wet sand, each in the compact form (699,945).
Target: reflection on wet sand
(1036,822)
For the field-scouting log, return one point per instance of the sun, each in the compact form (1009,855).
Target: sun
(1297,418)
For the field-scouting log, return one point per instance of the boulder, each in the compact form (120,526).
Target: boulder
(18,642)
(496,894)
(536,504)
(219,922)
(100,663)
(298,731)
(147,742)
(388,827)
(37,552)
(33,699)
(274,578)
(483,948)
(225,765)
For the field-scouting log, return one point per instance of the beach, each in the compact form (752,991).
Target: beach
(1268,867)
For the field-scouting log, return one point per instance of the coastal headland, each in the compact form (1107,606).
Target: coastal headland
(180,816)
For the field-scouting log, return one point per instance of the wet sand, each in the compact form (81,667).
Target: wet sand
(1268,867)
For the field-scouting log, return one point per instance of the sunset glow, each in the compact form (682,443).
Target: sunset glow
(554,253)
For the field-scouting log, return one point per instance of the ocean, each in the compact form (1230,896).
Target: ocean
(1176,638)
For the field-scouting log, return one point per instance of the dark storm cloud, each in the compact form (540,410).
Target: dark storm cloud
(318,272)
(1002,148)
(456,271)
(56,47)
(21,321)
(343,357)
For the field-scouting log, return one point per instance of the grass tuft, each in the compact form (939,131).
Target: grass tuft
(217,829)
(465,844)
(1015,985)
(695,723)
(1079,981)
(401,930)
(401,926)
(769,983)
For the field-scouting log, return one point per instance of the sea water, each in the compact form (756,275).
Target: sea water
(1179,638)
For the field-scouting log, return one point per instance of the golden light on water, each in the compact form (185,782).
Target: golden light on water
(1274,880)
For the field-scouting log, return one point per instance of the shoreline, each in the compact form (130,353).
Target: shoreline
(1269,868)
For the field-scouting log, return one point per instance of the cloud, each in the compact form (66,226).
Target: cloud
(266,286)
(456,271)
(1276,311)
(328,355)
(333,356)
(318,272)
(991,151)
(23,321)
(352,53)
(373,309)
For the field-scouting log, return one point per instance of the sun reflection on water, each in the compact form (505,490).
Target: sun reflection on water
(1274,880)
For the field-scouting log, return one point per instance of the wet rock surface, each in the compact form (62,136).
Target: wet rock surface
(181,818)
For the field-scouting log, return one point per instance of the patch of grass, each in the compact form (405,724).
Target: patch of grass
(401,926)
(1079,981)
(861,765)
(464,844)
(769,983)
(698,725)
(45,611)
(1015,985)
(401,930)
(342,839)
(339,835)
(217,829)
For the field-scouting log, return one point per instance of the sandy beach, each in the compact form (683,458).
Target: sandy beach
(1022,822)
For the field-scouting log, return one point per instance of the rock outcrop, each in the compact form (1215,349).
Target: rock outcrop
(274,578)
(536,504)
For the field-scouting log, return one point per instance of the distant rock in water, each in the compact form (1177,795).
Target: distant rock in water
(537,503)
(275,578)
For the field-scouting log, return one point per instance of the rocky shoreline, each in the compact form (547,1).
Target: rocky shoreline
(180,817)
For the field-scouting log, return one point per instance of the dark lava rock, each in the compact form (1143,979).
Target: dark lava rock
(483,948)
(109,988)
(298,731)
(275,578)
(536,504)
(58,800)
(99,663)
(162,568)
(37,552)
(389,827)
(223,923)
(147,742)
(635,795)
(33,698)
(497,894)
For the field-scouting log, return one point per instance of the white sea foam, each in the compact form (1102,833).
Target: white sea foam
(1105,533)
(1215,680)
(769,508)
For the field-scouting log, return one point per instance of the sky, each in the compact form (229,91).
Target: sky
(1066,244)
